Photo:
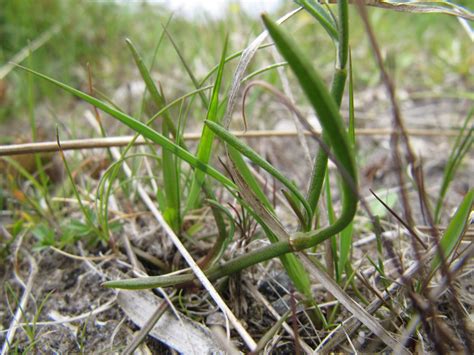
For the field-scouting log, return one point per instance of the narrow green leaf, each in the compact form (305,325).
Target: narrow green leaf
(187,67)
(345,239)
(150,85)
(337,91)
(171,210)
(331,219)
(321,15)
(207,137)
(351,130)
(317,93)
(345,243)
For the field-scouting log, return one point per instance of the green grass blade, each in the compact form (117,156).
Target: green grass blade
(171,184)
(141,128)
(207,136)
(461,146)
(294,206)
(153,61)
(352,135)
(343,35)
(187,68)
(331,218)
(244,149)
(171,211)
(150,85)
(345,244)
(455,229)
(317,177)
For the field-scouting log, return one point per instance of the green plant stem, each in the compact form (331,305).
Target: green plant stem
(213,273)
(321,160)
(300,242)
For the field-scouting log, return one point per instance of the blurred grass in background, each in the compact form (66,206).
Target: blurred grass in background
(425,52)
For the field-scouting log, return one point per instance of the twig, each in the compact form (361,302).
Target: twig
(121,141)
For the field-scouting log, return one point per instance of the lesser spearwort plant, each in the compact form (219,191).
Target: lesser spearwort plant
(186,189)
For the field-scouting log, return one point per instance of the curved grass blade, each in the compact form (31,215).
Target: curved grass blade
(321,15)
(141,128)
(248,176)
(294,206)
